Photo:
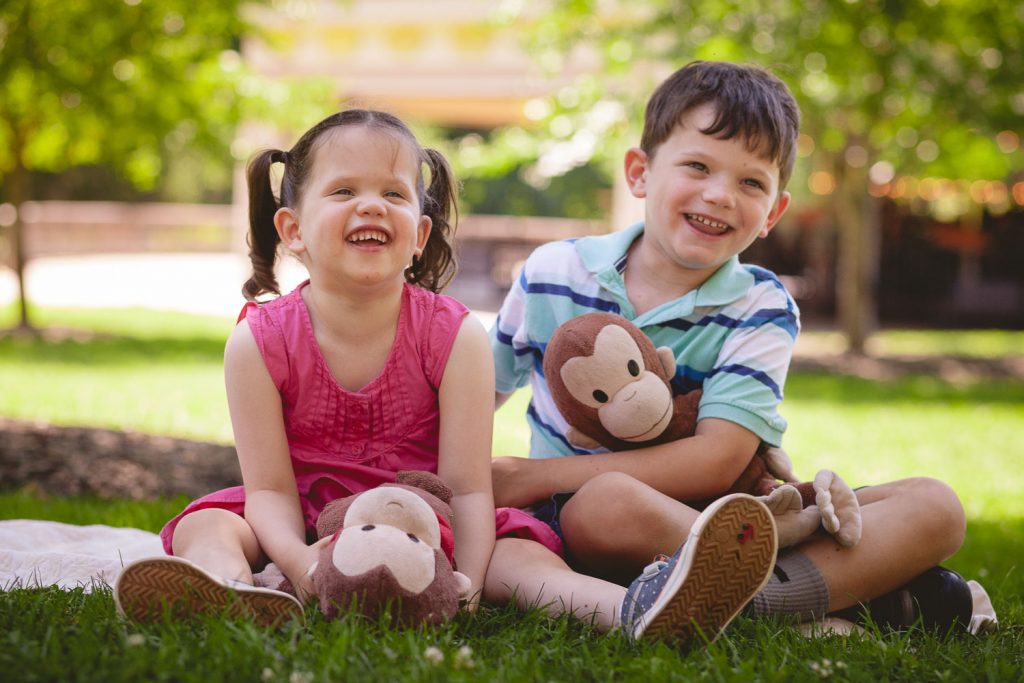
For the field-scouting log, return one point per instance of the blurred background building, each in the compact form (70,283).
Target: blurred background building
(535,122)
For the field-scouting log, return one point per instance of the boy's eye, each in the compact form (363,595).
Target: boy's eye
(754,183)
(697,166)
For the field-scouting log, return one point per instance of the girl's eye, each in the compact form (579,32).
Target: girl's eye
(344,191)
(395,194)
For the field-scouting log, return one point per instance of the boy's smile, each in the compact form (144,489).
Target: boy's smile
(706,200)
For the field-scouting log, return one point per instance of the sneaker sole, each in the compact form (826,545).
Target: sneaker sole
(728,558)
(148,587)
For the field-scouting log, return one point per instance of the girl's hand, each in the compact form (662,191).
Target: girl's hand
(305,589)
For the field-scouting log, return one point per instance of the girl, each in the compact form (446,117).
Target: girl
(361,371)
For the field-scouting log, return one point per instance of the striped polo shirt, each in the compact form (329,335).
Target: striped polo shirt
(733,335)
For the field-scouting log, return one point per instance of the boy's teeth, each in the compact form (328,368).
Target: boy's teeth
(708,222)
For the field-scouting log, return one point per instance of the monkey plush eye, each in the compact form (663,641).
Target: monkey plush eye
(412,537)
(633,367)
(600,396)
(368,527)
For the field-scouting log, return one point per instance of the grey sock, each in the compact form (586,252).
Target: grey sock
(796,587)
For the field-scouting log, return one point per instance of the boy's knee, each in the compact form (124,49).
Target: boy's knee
(608,510)
(942,509)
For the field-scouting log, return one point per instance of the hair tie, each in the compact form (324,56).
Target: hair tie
(277,156)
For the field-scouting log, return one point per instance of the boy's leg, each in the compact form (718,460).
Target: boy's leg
(909,527)
(725,561)
(615,524)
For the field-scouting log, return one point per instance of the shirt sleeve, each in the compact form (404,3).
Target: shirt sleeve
(513,355)
(746,383)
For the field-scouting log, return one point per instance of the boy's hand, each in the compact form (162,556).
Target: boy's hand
(517,481)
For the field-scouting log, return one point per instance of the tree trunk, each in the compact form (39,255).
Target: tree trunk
(17,194)
(857,258)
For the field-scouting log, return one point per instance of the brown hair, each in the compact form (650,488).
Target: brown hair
(432,270)
(749,102)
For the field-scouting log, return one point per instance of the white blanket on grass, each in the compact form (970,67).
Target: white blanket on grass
(39,553)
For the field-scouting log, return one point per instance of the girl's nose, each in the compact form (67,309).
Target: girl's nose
(371,206)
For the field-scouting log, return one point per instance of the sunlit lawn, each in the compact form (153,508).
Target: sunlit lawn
(161,373)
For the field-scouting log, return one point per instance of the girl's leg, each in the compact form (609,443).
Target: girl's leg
(533,576)
(210,573)
(219,541)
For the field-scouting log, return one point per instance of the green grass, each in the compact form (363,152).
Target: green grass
(161,373)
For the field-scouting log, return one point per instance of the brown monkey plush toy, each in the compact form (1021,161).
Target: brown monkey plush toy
(387,554)
(614,389)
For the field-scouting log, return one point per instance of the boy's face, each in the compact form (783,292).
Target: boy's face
(706,199)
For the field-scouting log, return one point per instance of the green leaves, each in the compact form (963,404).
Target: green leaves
(94,81)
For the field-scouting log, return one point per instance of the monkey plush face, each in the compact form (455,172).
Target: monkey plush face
(609,382)
(387,553)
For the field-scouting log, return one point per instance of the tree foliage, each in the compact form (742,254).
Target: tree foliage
(888,89)
(122,83)
(115,81)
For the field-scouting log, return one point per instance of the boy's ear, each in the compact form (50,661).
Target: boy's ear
(636,171)
(781,204)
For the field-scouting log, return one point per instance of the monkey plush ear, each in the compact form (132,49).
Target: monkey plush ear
(668,361)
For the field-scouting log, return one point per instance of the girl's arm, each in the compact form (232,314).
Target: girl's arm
(466,399)
(271,496)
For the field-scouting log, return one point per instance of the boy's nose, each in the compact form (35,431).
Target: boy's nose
(719,194)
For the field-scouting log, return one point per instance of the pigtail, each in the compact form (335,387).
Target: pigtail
(435,267)
(263,238)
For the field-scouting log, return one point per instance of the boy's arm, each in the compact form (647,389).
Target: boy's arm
(693,468)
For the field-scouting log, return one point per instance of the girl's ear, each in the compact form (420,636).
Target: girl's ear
(423,233)
(636,171)
(287,224)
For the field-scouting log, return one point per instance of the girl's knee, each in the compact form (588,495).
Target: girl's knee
(213,525)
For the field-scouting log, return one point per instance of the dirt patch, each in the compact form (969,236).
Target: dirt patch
(71,461)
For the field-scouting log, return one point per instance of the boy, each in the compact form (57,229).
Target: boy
(716,152)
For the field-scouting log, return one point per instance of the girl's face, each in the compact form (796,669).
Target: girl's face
(358,221)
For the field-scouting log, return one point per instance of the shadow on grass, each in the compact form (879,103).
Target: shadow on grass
(845,389)
(93,350)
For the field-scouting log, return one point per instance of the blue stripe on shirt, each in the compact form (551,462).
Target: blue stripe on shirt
(747,371)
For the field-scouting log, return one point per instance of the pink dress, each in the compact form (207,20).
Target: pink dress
(344,442)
